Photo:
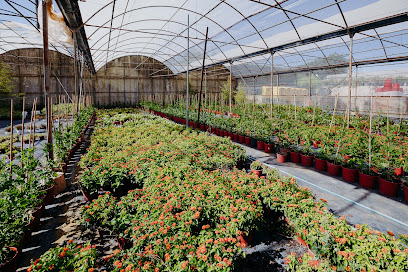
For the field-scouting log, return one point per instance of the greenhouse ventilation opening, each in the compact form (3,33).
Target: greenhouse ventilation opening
(309,80)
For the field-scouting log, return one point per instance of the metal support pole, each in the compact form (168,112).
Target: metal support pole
(188,66)
(202,77)
(76,66)
(349,85)
(355,95)
(310,86)
(272,84)
(230,94)
(47,74)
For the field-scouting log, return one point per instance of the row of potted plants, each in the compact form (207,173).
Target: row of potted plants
(143,216)
(23,196)
(68,138)
(189,218)
(342,147)
(113,161)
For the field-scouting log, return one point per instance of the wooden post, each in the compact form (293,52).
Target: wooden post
(35,117)
(31,123)
(202,77)
(46,67)
(22,128)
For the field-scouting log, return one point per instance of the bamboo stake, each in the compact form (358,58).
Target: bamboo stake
(334,112)
(31,124)
(294,101)
(11,139)
(22,128)
(314,108)
(58,112)
(35,117)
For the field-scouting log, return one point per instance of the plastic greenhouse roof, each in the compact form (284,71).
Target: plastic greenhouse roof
(240,31)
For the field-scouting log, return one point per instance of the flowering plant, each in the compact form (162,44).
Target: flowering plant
(72,257)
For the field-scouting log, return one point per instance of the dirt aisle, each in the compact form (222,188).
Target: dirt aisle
(61,220)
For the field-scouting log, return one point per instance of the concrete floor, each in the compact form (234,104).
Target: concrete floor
(357,204)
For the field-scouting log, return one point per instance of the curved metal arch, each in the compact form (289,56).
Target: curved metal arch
(180,8)
(143,55)
(157,38)
(133,38)
(287,16)
(134,54)
(176,22)
(140,54)
(247,19)
(138,47)
(284,59)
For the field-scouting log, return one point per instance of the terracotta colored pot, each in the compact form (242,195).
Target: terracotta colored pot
(306,160)
(236,137)
(281,157)
(389,188)
(241,139)
(87,196)
(320,165)
(231,135)
(260,145)
(405,192)
(49,197)
(333,169)
(257,172)
(11,264)
(202,127)
(247,141)
(349,175)
(367,181)
(295,157)
(269,148)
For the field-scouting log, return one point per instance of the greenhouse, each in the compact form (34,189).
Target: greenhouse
(217,135)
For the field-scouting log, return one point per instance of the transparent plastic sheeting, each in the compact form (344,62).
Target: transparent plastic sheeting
(158,29)
(20,28)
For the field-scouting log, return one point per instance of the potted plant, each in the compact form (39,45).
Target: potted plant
(389,183)
(334,166)
(349,169)
(282,154)
(320,159)
(295,154)
(405,188)
(367,175)
(269,145)
(306,155)
(256,168)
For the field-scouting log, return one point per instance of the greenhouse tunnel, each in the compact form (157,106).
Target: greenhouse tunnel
(219,135)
